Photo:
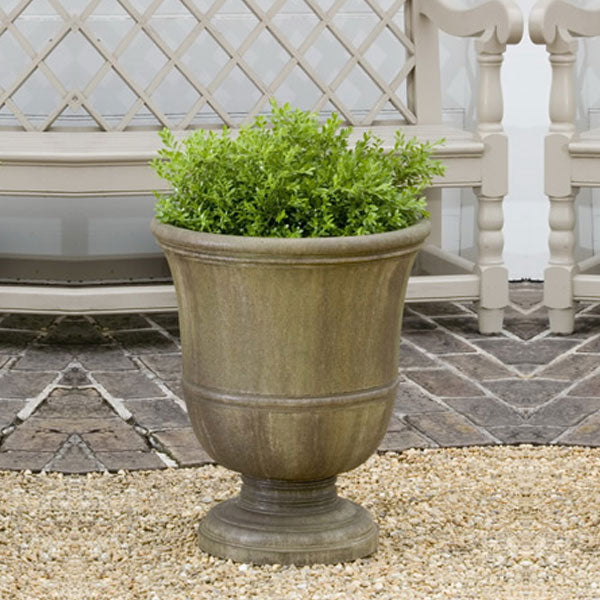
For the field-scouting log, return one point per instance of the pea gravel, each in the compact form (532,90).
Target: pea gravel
(492,522)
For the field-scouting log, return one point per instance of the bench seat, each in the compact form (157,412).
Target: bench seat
(116,163)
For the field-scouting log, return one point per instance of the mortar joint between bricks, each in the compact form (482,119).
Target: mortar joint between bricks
(9,364)
(31,404)
(161,451)
(115,403)
(141,430)
(167,460)
(160,448)
(156,327)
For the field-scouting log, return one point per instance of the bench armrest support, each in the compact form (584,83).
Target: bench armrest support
(553,22)
(496,22)
(557,24)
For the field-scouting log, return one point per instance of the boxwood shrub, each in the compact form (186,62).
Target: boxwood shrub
(292,176)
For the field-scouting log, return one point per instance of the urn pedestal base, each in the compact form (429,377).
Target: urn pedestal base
(288,522)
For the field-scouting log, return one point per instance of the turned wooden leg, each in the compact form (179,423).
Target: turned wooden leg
(558,276)
(490,266)
(493,284)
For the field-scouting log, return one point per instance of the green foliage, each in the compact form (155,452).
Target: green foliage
(292,178)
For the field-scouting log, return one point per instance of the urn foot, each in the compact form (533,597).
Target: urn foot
(288,522)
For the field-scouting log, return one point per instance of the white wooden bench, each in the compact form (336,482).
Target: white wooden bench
(110,158)
(572,159)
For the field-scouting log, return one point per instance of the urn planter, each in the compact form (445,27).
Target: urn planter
(290,368)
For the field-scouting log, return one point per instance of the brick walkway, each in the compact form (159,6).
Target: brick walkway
(84,394)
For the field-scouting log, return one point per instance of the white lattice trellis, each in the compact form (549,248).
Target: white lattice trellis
(113,65)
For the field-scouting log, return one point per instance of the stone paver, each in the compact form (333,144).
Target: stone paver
(448,429)
(479,367)
(410,399)
(8,411)
(176,387)
(20,460)
(526,295)
(74,331)
(591,346)
(515,352)
(74,404)
(75,457)
(412,322)
(443,383)
(403,438)
(485,411)
(27,322)
(105,358)
(585,325)
(119,322)
(74,377)
(526,434)
(43,358)
(168,321)
(113,437)
(588,388)
(526,393)
(564,412)
(182,445)
(525,324)
(437,341)
(436,309)
(145,342)
(464,325)
(572,367)
(166,366)
(587,433)
(128,385)
(31,437)
(412,357)
(130,460)
(15,384)
(14,341)
(81,394)
(155,414)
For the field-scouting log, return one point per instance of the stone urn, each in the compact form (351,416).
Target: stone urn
(290,367)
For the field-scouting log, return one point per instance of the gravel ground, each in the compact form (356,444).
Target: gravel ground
(492,522)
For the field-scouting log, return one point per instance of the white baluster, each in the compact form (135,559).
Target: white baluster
(490,219)
(558,276)
(562,93)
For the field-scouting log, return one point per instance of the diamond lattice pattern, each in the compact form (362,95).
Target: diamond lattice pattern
(115,65)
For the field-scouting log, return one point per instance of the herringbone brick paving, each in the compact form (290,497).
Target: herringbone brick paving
(80,394)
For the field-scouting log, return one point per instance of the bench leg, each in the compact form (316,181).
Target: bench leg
(493,287)
(558,276)
(562,320)
(490,319)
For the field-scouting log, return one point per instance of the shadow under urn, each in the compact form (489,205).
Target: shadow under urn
(290,368)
